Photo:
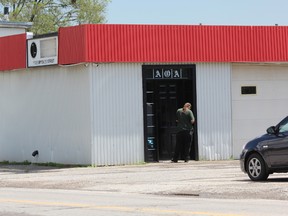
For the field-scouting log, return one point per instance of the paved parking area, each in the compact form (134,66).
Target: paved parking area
(207,179)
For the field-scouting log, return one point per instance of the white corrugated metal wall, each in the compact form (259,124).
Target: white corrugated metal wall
(10,31)
(254,113)
(45,109)
(117,121)
(54,110)
(213,82)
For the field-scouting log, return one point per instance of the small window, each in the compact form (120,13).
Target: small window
(248,90)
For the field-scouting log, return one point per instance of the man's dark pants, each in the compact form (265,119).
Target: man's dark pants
(183,144)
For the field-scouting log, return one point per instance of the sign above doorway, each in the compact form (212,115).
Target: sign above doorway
(167,73)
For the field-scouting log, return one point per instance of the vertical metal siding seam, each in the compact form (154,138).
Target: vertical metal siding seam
(239,46)
(109,40)
(279,44)
(208,43)
(117,47)
(182,49)
(265,36)
(161,34)
(137,44)
(203,45)
(269,52)
(198,38)
(170,45)
(220,43)
(135,55)
(248,45)
(215,43)
(275,39)
(172,56)
(233,47)
(225,40)
(244,46)
(88,42)
(185,48)
(285,35)
(92,115)
(99,52)
(92,44)
(166,36)
(254,42)
(272,52)
(251,44)
(259,53)
(160,39)
(278,36)
(144,38)
(141,45)
(198,44)
(263,45)
(125,46)
(127,34)
(261,35)
(271,38)
(210,38)
(177,44)
(284,39)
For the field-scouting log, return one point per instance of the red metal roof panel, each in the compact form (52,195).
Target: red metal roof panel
(13,52)
(72,45)
(172,43)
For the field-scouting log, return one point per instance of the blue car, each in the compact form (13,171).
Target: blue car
(267,154)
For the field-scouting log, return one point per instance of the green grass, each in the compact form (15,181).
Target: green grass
(57,165)
(49,164)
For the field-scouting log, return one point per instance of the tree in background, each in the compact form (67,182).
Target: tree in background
(48,15)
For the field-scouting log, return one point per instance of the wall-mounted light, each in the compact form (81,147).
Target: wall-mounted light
(35,153)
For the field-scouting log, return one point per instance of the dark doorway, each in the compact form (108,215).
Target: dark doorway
(166,88)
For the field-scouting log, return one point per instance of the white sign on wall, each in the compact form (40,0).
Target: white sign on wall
(42,51)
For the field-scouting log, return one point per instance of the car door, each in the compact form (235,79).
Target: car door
(277,148)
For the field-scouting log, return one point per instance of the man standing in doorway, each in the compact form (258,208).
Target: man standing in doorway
(185,120)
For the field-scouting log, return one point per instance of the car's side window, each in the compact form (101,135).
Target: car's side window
(283,128)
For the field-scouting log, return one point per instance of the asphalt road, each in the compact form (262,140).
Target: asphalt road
(194,188)
(49,202)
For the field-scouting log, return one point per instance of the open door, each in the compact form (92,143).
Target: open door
(166,88)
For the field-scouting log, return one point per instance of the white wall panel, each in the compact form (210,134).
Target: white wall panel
(46,109)
(117,114)
(214,111)
(253,114)
(10,31)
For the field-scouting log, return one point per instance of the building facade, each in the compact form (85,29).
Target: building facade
(111,97)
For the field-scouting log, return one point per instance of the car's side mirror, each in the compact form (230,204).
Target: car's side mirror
(271,130)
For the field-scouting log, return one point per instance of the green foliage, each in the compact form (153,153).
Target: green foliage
(48,164)
(26,162)
(48,15)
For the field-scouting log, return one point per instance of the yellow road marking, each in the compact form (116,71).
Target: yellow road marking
(116,208)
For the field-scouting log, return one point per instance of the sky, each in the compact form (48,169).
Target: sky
(194,12)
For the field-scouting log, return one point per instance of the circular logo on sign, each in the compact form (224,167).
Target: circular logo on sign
(33,50)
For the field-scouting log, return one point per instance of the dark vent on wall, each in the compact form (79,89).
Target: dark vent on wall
(248,90)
